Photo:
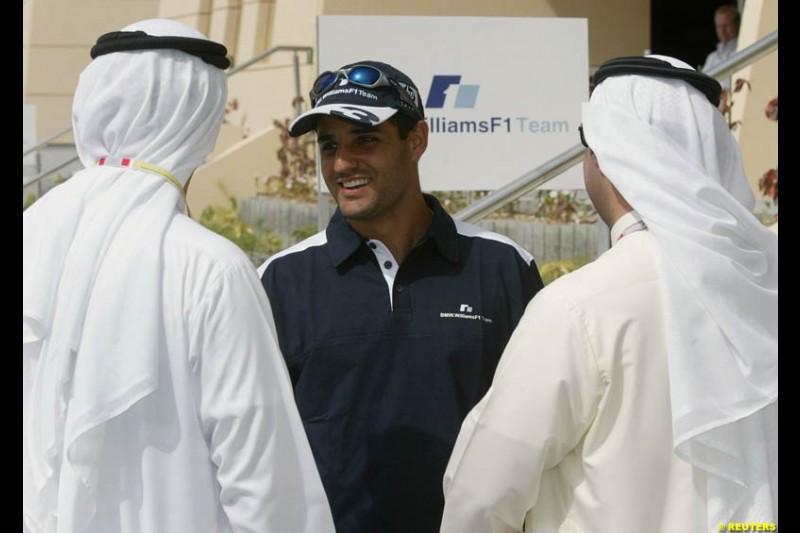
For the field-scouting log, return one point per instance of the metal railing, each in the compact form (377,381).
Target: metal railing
(46,141)
(40,176)
(745,57)
(569,158)
(528,181)
(309,51)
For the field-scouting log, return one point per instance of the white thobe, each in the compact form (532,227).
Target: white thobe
(575,433)
(219,446)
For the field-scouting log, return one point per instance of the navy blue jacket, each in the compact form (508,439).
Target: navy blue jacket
(386,362)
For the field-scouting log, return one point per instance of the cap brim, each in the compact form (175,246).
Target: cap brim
(366,115)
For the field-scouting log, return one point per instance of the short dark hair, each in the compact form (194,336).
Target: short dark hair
(728,8)
(404,124)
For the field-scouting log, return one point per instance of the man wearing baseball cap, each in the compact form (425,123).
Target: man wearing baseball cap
(391,320)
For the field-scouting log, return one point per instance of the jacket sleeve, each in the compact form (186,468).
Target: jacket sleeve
(266,472)
(543,397)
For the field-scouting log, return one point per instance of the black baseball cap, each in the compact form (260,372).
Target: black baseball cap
(366,92)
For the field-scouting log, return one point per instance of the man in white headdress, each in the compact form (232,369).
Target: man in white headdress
(155,397)
(640,393)
(726,24)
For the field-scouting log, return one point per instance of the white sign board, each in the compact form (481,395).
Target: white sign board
(502,95)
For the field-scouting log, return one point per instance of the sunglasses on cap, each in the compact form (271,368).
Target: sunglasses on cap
(365,76)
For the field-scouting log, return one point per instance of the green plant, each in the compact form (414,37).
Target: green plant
(553,270)
(231,108)
(563,207)
(726,105)
(552,206)
(28,201)
(226,221)
(297,177)
(297,180)
(304,232)
(768,184)
(455,201)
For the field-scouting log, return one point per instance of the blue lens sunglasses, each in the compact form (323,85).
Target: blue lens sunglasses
(364,76)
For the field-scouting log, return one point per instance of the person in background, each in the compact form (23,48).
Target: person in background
(640,392)
(392,319)
(726,24)
(155,397)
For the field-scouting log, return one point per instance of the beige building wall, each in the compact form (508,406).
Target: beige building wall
(195,13)
(56,39)
(616,27)
(255,28)
(265,91)
(758,137)
(262,93)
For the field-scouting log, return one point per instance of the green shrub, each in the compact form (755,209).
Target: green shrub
(304,232)
(553,270)
(297,177)
(552,206)
(226,221)
(28,201)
